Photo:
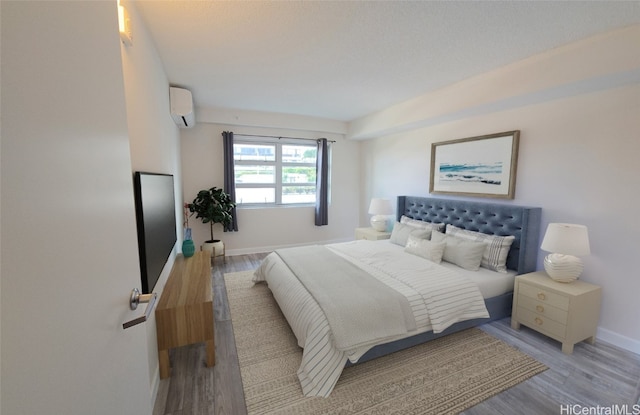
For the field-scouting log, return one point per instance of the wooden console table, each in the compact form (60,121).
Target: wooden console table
(184,314)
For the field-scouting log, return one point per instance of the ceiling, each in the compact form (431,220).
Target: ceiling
(345,59)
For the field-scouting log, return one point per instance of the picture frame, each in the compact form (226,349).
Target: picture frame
(482,166)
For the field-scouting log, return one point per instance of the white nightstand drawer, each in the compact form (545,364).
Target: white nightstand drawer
(541,323)
(544,296)
(544,309)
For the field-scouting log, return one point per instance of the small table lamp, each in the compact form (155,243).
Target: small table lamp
(566,242)
(380,209)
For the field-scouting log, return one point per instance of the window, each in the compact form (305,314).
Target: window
(272,171)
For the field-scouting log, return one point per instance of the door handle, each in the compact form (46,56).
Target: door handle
(137,298)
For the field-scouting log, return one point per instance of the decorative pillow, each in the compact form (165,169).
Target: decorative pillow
(465,254)
(400,233)
(421,224)
(430,250)
(495,254)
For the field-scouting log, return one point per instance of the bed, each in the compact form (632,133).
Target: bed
(331,342)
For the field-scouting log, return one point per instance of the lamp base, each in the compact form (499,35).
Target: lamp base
(563,268)
(379,223)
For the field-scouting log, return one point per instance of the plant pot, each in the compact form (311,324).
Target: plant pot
(188,248)
(215,247)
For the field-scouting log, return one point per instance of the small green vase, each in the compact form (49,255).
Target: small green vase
(188,248)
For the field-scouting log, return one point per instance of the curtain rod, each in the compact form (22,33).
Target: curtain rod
(279,137)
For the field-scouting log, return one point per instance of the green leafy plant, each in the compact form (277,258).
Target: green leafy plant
(213,206)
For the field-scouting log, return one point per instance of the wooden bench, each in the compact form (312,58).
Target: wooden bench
(184,314)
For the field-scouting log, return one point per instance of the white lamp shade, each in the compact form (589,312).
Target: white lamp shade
(380,208)
(567,239)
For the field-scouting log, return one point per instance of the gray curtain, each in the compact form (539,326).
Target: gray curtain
(229,177)
(322,184)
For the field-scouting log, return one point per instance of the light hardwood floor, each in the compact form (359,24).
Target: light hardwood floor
(593,375)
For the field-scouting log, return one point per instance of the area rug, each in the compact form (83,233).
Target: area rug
(444,376)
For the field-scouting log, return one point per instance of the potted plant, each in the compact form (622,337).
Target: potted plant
(213,206)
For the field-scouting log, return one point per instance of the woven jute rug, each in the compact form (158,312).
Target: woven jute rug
(444,376)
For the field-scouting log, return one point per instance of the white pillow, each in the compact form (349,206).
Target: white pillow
(421,224)
(430,250)
(495,254)
(400,233)
(461,252)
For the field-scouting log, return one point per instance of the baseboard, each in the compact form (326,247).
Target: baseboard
(619,340)
(271,248)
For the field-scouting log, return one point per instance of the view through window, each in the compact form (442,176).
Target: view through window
(275,172)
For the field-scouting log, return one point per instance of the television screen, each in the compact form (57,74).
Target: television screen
(156,221)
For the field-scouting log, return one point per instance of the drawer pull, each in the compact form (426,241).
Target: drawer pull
(538,321)
(541,296)
(540,309)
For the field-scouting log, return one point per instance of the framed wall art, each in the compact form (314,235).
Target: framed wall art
(483,166)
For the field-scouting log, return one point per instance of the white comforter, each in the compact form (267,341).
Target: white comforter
(438,298)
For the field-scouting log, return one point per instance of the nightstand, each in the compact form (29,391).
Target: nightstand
(567,312)
(371,234)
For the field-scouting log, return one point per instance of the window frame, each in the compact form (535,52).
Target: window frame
(279,164)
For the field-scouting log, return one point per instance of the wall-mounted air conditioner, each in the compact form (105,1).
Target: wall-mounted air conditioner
(182,107)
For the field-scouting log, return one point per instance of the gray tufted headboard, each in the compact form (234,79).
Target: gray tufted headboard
(491,218)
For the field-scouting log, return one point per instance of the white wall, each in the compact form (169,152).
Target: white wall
(0,217)
(154,141)
(578,111)
(262,230)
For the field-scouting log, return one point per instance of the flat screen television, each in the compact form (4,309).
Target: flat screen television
(156,222)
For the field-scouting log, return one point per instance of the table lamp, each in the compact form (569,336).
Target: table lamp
(380,209)
(565,242)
